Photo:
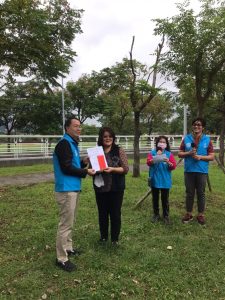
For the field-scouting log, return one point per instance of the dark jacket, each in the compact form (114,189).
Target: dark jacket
(112,182)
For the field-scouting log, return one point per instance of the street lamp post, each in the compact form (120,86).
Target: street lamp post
(185,120)
(63,111)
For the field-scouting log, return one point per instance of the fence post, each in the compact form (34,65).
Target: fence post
(15,148)
(126,139)
(80,143)
(46,147)
(217,141)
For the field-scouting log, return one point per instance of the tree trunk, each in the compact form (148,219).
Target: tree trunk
(136,165)
(200,110)
(222,133)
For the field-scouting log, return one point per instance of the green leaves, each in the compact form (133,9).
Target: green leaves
(36,37)
(84,98)
(196,47)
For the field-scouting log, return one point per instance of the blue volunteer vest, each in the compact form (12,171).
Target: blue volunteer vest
(192,165)
(63,182)
(160,173)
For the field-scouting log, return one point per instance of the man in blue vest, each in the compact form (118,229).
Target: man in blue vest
(197,150)
(68,170)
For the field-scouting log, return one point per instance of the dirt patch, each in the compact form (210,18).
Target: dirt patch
(27,179)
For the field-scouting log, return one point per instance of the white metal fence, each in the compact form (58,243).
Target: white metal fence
(21,146)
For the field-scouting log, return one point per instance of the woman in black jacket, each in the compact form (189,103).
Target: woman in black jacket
(109,185)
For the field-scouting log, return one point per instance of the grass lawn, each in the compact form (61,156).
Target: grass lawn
(140,268)
(22,170)
(38,168)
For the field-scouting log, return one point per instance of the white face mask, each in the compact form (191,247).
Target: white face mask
(162,145)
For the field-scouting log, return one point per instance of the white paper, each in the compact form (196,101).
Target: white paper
(94,154)
(159,158)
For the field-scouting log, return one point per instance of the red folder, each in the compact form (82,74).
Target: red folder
(101,161)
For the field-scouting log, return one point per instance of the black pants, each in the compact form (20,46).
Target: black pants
(195,182)
(164,199)
(109,206)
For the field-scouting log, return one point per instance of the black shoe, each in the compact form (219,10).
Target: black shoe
(102,241)
(74,252)
(166,220)
(115,243)
(155,218)
(65,266)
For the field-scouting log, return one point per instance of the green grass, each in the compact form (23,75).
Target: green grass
(140,268)
(38,168)
(22,170)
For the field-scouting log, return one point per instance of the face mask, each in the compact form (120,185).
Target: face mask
(162,145)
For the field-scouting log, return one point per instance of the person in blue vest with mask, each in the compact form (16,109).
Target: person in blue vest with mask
(197,150)
(68,171)
(161,162)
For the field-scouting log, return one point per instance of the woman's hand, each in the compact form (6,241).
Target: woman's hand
(168,162)
(109,170)
(197,157)
(193,152)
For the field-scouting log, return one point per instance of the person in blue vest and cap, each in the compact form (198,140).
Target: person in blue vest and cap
(68,171)
(197,150)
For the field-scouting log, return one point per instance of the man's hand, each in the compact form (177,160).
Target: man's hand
(86,160)
(91,172)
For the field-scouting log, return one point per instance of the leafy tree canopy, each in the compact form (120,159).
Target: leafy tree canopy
(35,38)
(29,108)
(84,97)
(196,47)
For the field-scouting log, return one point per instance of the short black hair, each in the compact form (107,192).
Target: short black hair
(203,122)
(68,121)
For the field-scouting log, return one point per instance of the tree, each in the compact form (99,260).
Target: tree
(128,83)
(221,110)
(12,105)
(44,115)
(84,97)
(141,94)
(30,108)
(196,48)
(114,89)
(117,111)
(157,114)
(35,38)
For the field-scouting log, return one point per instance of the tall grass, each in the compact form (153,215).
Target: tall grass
(140,268)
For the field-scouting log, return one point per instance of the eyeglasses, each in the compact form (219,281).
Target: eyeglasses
(197,124)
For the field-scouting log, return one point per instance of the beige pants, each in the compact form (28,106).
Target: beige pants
(68,203)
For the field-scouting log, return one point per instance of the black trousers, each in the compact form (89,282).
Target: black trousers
(195,182)
(109,207)
(164,199)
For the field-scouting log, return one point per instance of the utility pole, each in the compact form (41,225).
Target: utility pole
(63,111)
(185,120)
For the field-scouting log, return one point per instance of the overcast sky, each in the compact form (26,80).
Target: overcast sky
(108,27)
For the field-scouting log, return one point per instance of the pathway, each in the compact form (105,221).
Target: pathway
(29,179)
